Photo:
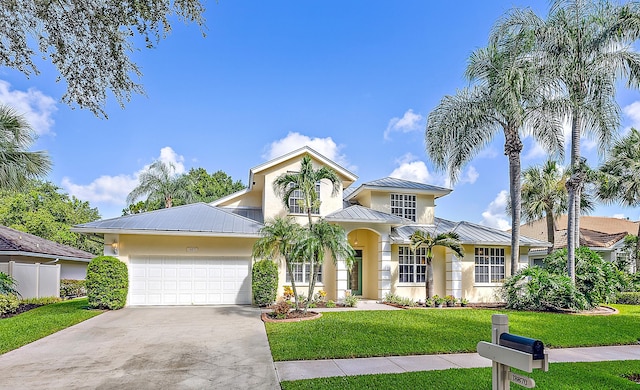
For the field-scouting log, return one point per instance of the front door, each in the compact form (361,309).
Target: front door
(355,275)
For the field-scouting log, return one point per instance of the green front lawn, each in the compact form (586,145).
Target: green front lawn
(561,376)
(418,332)
(40,322)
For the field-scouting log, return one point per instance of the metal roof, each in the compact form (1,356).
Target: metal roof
(188,219)
(359,213)
(392,183)
(20,243)
(254,213)
(470,233)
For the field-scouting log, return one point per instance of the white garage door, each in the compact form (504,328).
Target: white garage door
(189,281)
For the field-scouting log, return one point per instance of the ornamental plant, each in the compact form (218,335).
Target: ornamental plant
(264,282)
(107,283)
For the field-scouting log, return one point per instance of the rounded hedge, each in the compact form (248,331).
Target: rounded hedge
(107,283)
(264,282)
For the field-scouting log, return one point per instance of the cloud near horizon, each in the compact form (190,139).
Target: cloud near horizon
(411,168)
(294,140)
(409,122)
(495,215)
(36,107)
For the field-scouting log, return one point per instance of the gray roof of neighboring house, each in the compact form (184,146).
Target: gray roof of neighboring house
(470,233)
(15,242)
(392,183)
(195,218)
(359,213)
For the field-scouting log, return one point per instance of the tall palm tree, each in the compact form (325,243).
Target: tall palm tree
(278,241)
(17,164)
(303,184)
(449,240)
(587,46)
(544,195)
(321,239)
(620,180)
(507,94)
(160,183)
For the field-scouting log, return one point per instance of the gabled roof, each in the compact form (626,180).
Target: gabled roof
(15,242)
(190,219)
(359,213)
(590,238)
(608,225)
(470,233)
(399,185)
(341,171)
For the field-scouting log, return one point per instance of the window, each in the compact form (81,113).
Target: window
(404,205)
(296,199)
(413,265)
(489,265)
(301,273)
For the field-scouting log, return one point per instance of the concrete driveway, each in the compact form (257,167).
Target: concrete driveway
(223,347)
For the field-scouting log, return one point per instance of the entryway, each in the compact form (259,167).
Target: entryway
(354,278)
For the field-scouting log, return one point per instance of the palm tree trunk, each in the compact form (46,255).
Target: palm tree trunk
(512,148)
(293,281)
(429,279)
(551,230)
(638,251)
(574,196)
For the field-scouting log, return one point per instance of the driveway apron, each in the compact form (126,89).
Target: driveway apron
(205,347)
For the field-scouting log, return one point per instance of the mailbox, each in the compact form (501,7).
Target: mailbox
(523,344)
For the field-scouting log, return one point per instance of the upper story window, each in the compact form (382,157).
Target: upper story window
(489,265)
(404,205)
(296,202)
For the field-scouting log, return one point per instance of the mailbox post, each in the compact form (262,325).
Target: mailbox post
(507,350)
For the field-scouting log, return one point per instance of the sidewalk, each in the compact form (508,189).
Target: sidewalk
(307,369)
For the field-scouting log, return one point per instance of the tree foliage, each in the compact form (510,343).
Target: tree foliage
(161,183)
(17,164)
(89,42)
(207,187)
(42,209)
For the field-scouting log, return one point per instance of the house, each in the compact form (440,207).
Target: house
(604,235)
(23,247)
(201,253)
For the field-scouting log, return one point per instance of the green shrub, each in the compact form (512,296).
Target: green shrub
(351,301)
(281,309)
(536,288)
(72,288)
(628,298)
(398,300)
(107,283)
(40,301)
(8,303)
(331,304)
(264,282)
(7,284)
(598,280)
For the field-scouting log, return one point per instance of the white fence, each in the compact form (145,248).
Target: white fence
(34,280)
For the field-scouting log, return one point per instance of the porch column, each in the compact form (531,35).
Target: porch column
(454,275)
(384,265)
(341,279)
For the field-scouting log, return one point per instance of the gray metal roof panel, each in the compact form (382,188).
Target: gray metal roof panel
(470,233)
(195,217)
(392,182)
(359,213)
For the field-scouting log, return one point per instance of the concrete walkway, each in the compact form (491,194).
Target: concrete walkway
(307,369)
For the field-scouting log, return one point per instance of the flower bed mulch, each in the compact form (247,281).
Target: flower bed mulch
(292,316)
(21,309)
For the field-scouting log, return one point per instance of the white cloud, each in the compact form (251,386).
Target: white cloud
(633,112)
(619,216)
(469,176)
(409,122)
(113,190)
(495,215)
(410,168)
(294,140)
(488,152)
(36,107)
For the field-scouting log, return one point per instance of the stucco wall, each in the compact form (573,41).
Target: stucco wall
(417,291)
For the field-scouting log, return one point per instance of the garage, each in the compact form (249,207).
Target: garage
(189,281)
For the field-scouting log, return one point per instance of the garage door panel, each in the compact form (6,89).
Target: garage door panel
(189,281)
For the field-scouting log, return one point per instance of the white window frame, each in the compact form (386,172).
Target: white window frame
(412,265)
(294,206)
(301,273)
(489,265)
(404,205)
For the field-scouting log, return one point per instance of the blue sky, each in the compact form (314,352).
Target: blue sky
(355,80)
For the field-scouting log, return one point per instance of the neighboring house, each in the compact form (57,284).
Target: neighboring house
(604,235)
(201,253)
(23,247)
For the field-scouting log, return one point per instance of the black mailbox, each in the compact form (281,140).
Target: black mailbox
(523,344)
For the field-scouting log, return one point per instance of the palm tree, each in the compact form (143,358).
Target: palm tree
(507,95)
(304,183)
(586,45)
(449,240)
(160,183)
(544,195)
(279,239)
(620,180)
(17,164)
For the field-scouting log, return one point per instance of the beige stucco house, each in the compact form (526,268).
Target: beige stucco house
(201,253)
